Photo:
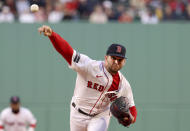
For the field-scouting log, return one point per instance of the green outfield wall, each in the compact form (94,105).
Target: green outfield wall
(158,69)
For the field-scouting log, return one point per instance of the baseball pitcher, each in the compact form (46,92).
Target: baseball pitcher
(98,84)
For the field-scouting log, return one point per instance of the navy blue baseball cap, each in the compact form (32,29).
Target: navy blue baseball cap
(14,100)
(116,50)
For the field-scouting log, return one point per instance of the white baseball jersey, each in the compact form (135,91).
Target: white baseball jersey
(92,83)
(16,122)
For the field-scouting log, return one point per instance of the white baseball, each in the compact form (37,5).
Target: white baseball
(34,8)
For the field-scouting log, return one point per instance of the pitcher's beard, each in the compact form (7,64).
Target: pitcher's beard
(15,111)
(113,71)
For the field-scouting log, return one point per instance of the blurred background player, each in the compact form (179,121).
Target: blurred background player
(17,118)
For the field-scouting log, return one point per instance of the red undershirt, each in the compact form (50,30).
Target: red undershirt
(62,46)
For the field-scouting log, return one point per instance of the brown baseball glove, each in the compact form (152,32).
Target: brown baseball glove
(120,109)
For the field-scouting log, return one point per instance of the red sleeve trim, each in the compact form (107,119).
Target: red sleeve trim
(133,111)
(33,125)
(62,46)
(1,127)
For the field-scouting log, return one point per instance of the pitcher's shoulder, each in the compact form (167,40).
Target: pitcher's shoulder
(95,64)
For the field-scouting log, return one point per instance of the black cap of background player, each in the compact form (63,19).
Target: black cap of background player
(14,100)
(116,50)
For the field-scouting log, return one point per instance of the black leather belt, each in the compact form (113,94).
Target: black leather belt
(82,112)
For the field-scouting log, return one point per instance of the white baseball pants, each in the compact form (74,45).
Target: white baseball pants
(81,122)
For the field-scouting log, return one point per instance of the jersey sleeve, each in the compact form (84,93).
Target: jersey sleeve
(126,91)
(31,119)
(80,62)
(1,121)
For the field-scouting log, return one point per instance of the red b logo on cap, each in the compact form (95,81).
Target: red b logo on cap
(118,49)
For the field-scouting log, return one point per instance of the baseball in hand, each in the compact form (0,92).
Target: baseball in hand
(34,8)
